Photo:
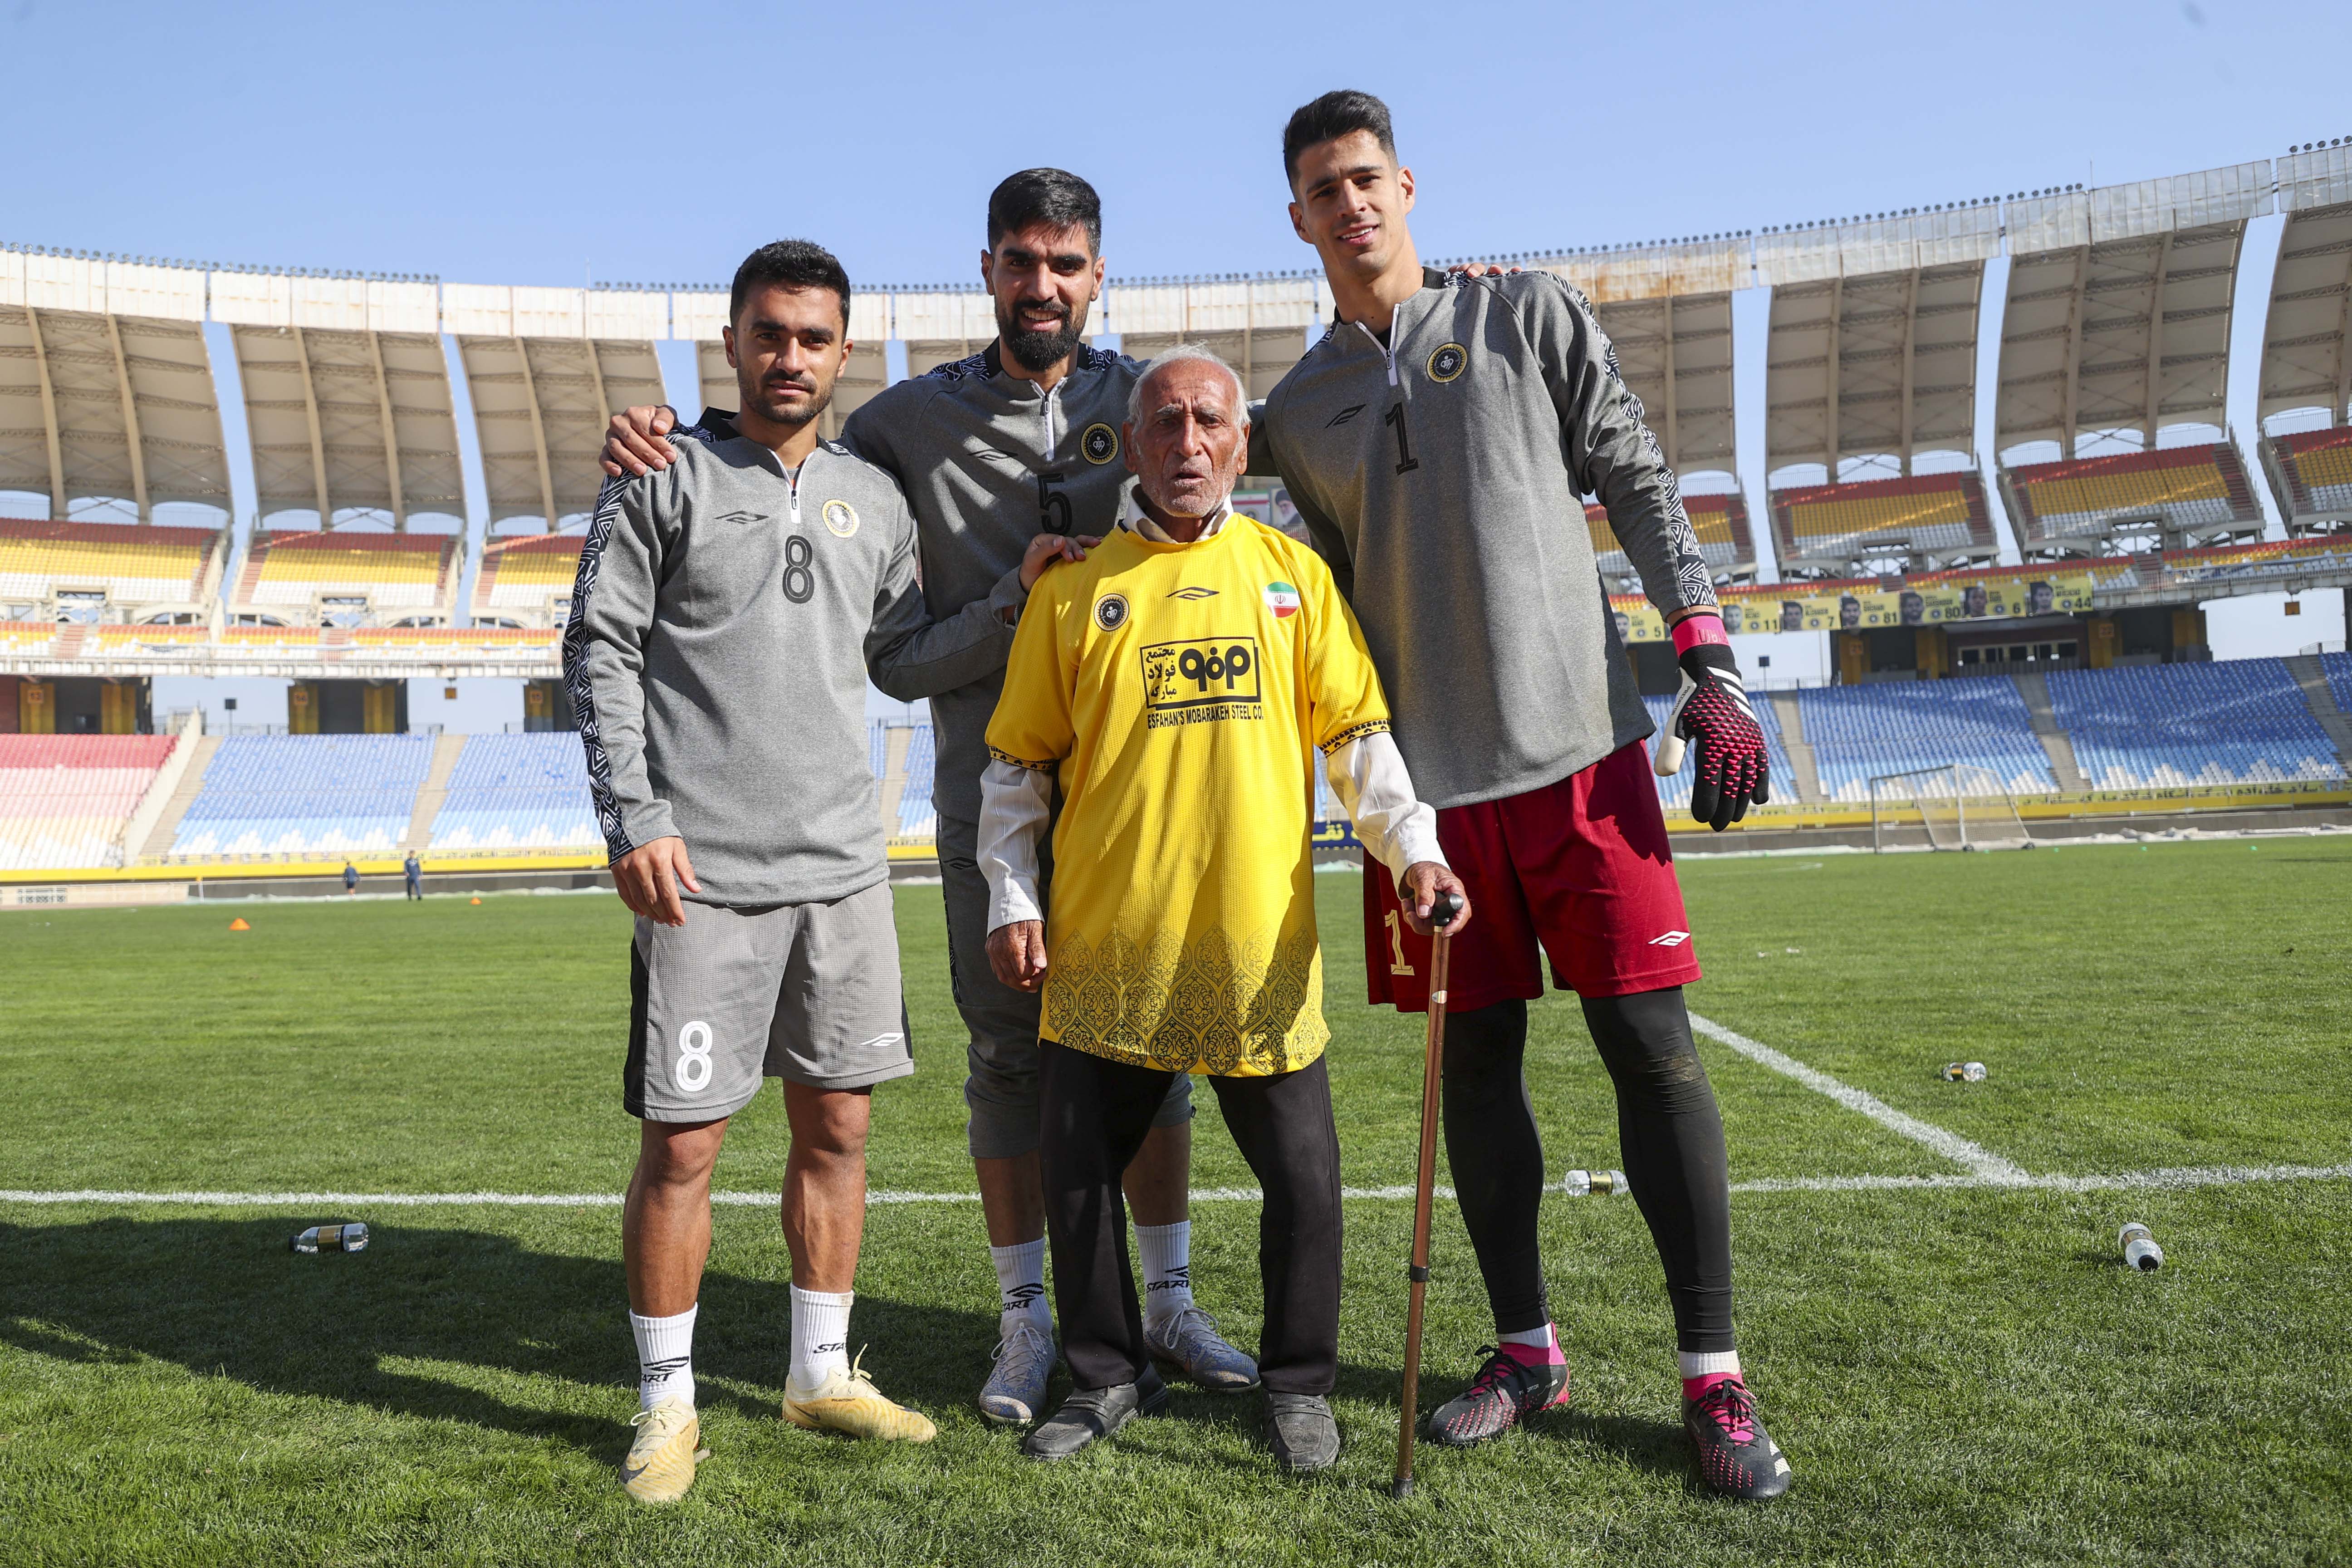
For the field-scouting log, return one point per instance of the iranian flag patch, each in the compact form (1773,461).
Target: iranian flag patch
(1282,599)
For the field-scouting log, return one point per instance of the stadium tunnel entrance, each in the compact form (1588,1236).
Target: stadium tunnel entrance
(347,707)
(77,705)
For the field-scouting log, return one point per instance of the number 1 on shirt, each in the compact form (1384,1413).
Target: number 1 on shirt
(1394,420)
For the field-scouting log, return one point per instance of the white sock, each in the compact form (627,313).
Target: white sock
(1540,1339)
(820,1334)
(1166,1267)
(664,1357)
(1020,1288)
(1707,1364)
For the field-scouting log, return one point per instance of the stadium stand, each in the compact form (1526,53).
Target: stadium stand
(306,794)
(2186,492)
(523,580)
(2312,473)
(1720,521)
(66,799)
(2339,668)
(1931,518)
(387,573)
(917,817)
(2164,725)
(1859,732)
(132,565)
(517,791)
(1674,789)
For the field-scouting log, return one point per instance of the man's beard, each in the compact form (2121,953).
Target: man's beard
(1039,351)
(816,405)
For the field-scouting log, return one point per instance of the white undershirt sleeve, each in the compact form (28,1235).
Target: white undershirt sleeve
(1015,804)
(1369,776)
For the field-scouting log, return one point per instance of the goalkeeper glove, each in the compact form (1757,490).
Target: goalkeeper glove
(1712,712)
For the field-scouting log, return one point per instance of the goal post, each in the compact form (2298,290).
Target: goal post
(1960,805)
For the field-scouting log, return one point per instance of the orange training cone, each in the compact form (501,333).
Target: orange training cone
(477,900)
(238,924)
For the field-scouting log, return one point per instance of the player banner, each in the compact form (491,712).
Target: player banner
(1857,606)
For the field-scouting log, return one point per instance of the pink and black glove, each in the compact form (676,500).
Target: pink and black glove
(1712,713)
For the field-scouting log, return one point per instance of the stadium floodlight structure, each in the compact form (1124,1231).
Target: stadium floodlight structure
(1958,806)
(2118,324)
(1872,368)
(347,395)
(698,315)
(106,390)
(2306,373)
(546,368)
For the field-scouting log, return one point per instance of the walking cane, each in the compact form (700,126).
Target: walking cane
(1442,910)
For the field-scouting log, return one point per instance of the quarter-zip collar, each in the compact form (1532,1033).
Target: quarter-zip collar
(722,424)
(1431,277)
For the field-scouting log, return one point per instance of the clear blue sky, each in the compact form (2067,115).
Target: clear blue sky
(549,144)
(537,144)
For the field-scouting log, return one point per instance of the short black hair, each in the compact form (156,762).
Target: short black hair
(1335,114)
(790,264)
(1055,197)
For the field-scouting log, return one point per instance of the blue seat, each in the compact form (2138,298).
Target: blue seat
(517,791)
(2166,725)
(295,795)
(1859,733)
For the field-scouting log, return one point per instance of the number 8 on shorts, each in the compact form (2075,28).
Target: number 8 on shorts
(694,1057)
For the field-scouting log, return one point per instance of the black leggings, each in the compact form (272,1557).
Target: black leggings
(1667,1125)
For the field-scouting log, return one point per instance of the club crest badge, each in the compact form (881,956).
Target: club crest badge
(1282,599)
(1099,443)
(1111,612)
(840,519)
(1450,360)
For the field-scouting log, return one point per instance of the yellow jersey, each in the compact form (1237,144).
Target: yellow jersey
(1181,692)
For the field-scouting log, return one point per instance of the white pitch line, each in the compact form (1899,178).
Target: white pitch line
(1980,1161)
(2179,1178)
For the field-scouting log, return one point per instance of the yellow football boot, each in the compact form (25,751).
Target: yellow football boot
(662,1457)
(847,1402)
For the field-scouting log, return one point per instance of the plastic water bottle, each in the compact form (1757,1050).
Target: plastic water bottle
(1593,1184)
(351,1238)
(1964,1072)
(2140,1250)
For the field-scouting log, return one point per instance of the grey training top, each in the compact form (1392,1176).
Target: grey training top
(1443,476)
(725,620)
(989,461)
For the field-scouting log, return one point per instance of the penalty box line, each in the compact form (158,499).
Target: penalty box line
(2175,1179)
(1981,1162)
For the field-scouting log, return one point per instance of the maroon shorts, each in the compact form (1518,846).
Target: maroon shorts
(1578,870)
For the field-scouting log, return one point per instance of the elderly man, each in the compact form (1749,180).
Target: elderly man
(1175,684)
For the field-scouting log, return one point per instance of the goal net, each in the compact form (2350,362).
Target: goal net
(1957,806)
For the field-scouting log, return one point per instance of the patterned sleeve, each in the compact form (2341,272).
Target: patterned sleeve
(612,606)
(1612,453)
(1032,727)
(1343,690)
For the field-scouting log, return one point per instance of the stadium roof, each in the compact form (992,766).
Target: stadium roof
(105,387)
(1874,336)
(2307,342)
(2118,309)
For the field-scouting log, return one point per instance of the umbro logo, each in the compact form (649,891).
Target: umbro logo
(1196,593)
(1344,416)
(743,517)
(1672,938)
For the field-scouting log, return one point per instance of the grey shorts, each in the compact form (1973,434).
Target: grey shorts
(999,1086)
(808,993)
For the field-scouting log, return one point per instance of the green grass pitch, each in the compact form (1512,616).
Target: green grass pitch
(1960,1374)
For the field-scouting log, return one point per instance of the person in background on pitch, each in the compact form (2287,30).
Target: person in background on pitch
(1022,435)
(1438,442)
(350,879)
(1175,685)
(726,614)
(413,871)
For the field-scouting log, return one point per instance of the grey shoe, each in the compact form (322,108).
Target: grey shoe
(1089,1414)
(1303,1435)
(1015,1395)
(1186,1343)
